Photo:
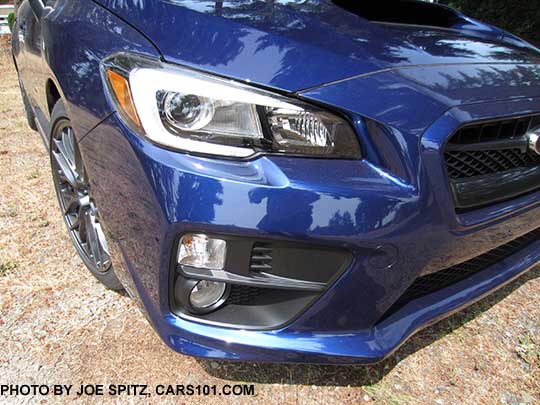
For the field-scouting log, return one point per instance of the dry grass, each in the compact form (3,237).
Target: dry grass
(58,325)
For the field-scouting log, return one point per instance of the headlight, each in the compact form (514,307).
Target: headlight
(195,112)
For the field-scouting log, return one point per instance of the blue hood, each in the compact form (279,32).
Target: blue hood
(294,45)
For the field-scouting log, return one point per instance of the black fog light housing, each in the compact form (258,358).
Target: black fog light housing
(248,283)
(201,296)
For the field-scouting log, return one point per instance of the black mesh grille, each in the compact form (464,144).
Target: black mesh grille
(444,278)
(261,261)
(463,163)
(243,295)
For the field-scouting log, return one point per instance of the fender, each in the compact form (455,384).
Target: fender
(72,61)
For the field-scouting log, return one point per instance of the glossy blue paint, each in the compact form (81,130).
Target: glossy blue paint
(372,208)
(290,44)
(67,51)
(405,90)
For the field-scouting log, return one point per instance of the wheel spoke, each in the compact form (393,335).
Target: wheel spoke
(72,206)
(92,240)
(76,204)
(103,245)
(76,224)
(65,155)
(96,240)
(66,171)
(67,193)
(61,176)
(69,146)
(80,212)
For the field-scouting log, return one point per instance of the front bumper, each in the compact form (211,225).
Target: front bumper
(396,229)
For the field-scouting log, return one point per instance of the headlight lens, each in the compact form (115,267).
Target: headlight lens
(186,112)
(195,112)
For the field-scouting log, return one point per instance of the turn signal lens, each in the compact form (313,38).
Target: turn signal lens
(120,87)
(202,252)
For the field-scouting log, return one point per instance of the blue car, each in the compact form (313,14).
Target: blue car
(288,180)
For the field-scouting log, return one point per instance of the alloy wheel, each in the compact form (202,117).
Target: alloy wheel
(78,208)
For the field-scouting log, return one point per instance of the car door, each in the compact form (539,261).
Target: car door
(33,46)
(20,38)
(31,62)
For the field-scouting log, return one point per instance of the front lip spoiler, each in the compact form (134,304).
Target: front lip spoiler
(359,347)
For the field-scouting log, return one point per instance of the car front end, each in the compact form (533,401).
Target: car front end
(285,197)
(316,258)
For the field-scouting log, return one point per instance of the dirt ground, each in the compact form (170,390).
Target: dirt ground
(58,325)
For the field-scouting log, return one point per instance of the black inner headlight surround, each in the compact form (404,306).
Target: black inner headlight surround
(195,112)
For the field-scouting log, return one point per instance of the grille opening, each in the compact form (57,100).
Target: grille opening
(402,12)
(261,258)
(431,283)
(244,295)
(483,161)
(464,164)
(498,130)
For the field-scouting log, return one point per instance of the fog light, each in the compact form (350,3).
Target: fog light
(200,296)
(198,250)
(207,295)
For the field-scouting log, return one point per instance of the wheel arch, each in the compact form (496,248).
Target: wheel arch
(52,94)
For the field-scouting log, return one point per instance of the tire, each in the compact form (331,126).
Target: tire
(75,199)
(30,117)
